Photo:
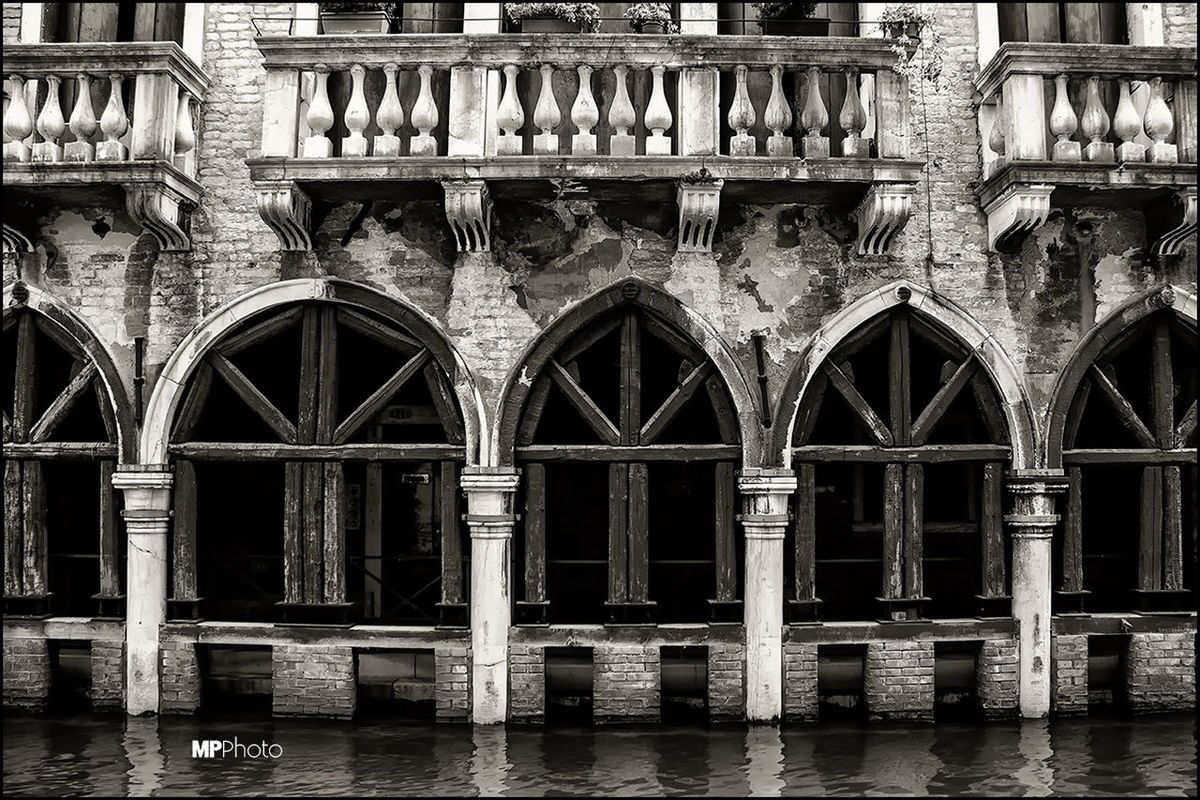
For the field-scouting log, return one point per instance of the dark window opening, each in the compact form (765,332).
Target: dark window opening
(683,681)
(955,679)
(235,680)
(1106,672)
(113,22)
(840,674)
(70,674)
(1094,23)
(569,673)
(396,683)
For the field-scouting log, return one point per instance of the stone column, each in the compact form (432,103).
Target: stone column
(147,514)
(1031,526)
(490,497)
(765,495)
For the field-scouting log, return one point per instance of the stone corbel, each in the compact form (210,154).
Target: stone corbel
(469,212)
(287,210)
(161,211)
(1015,214)
(15,241)
(881,215)
(699,204)
(1171,243)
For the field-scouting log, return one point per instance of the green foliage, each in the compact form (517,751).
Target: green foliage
(639,14)
(774,10)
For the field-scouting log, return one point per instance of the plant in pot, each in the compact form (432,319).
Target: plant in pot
(791,19)
(911,30)
(359,17)
(555,17)
(651,18)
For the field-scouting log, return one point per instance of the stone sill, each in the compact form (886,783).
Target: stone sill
(600,635)
(265,633)
(1091,184)
(78,628)
(35,60)
(915,630)
(1124,623)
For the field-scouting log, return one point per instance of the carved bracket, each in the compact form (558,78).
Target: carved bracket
(15,241)
(699,204)
(1171,243)
(287,210)
(881,215)
(162,212)
(1015,214)
(469,212)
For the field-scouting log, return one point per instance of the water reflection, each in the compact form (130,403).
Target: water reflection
(489,761)
(144,752)
(764,761)
(1034,772)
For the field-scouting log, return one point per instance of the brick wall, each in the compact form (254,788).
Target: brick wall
(26,670)
(1179,24)
(108,674)
(898,679)
(626,683)
(801,700)
(1069,674)
(1160,671)
(452,687)
(313,681)
(526,683)
(12,22)
(998,678)
(726,681)
(179,673)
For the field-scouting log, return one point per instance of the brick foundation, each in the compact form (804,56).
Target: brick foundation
(898,679)
(1160,671)
(179,671)
(108,675)
(800,696)
(26,672)
(313,681)
(526,683)
(1069,674)
(452,688)
(727,681)
(997,678)
(626,683)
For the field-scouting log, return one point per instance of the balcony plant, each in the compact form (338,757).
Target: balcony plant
(358,17)
(791,19)
(651,18)
(555,17)
(910,30)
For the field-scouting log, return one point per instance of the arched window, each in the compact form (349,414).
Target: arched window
(899,448)
(62,552)
(1129,446)
(317,455)
(628,441)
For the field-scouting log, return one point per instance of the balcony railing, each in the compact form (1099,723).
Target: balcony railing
(88,115)
(608,107)
(1084,121)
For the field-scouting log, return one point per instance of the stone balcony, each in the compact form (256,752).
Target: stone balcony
(138,152)
(692,118)
(1088,124)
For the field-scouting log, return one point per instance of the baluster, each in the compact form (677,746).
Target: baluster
(113,123)
(83,122)
(546,115)
(853,119)
(18,123)
(585,115)
(658,116)
(1185,119)
(50,124)
(510,116)
(1063,123)
(185,132)
(390,115)
(319,117)
(1095,124)
(1159,124)
(621,117)
(814,118)
(996,135)
(1127,124)
(778,116)
(424,116)
(741,116)
(357,115)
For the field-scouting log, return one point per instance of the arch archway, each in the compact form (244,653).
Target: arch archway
(1122,422)
(66,424)
(628,416)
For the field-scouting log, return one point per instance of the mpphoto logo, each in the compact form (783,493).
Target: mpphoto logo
(232,748)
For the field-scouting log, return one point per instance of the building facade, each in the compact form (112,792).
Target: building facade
(497,366)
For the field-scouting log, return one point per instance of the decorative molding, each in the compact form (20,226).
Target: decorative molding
(881,215)
(162,212)
(1170,243)
(17,242)
(469,212)
(1015,214)
(699,204)
(287,210)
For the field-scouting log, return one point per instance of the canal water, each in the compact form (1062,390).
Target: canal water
(113,756)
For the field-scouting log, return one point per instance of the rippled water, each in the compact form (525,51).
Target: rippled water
(110,755)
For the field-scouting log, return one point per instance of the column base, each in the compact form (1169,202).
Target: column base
(532,613)
(110,607)
(1071,602)
(1162,600)
(631,613)
(726,612)
(801,611)
(315,613)
(899,609)
(995,606)
(452,615)
(36,605)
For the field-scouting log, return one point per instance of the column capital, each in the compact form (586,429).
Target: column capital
(490,479)
(147,489)
(491,492)
(1036,481)
(766,480)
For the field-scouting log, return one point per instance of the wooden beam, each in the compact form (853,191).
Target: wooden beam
(655,452)
(310,359)
(378,332)
(535,533)
(862,336)
(806,532)
(671,407)
(334,526)
(61,451)
(443,402)
(879,431)
(639,533)
(373,540)
(724,516)
(727,423)
(1186,427)
(900,378)
(183,540)
(673,339)
(992,530)
(1172,538)
(618,536)
(327,379)
(62,405)
(6,423)
(1162,385)
(252,397)
(924,454)
(452,541)
(893,530)
(1117,455)
(810,409)
(268,451)
(25,379)
(590,412)
(379,399)
(273,326)
(104,404)
(533,410)
(33,497)
(1075,413)
(942,401)
(1125,413)
(1150,551)
(587,337)
(313,522)
(193,404)
(630,415)
(914,530)
(14,528)
(293,532)
(52,331)
(1073,533)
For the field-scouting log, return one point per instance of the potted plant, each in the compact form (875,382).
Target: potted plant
(791,19)
(651,18)
(910,30)
(555,17)
(358,17)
